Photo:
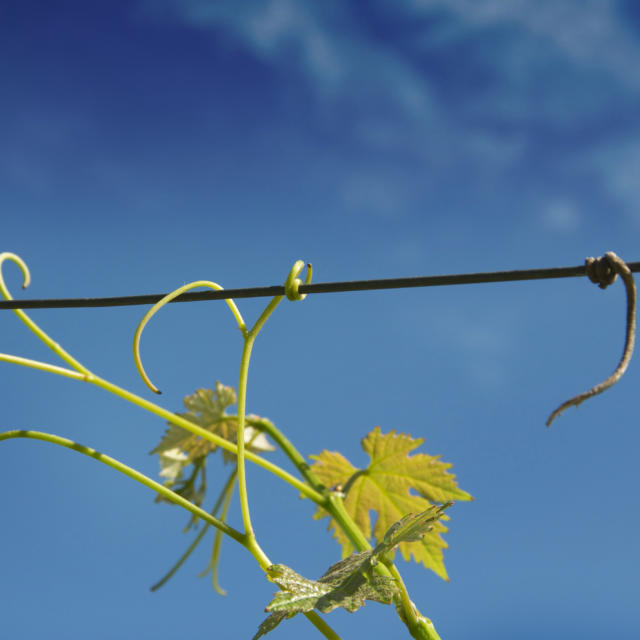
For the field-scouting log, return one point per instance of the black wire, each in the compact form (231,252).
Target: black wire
(321,287)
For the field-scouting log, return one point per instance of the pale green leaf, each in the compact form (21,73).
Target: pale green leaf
(172,462)
(207,409)
(394,484)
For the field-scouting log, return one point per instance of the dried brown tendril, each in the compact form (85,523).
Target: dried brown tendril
(603,272)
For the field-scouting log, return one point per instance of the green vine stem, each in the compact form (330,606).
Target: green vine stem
(165,492)
(54,346)
(83,374)
(182,559)
(239,537)
(221,498)
(42,366)
(217,540)
(172,418)
(419,626)
(298,460)
(207,435)
(320,624)
(291,291)
(249,339)
(311,489)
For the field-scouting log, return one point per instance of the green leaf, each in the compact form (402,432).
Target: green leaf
(393,484)
(206,409)
(413,528)
(270,623)
(352,582)
(347,583)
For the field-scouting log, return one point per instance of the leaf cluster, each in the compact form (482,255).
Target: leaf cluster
(396,482)
(393,483)
(349,582)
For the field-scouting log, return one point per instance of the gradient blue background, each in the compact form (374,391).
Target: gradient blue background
(145,144)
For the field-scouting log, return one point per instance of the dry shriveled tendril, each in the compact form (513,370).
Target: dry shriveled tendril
(603,272)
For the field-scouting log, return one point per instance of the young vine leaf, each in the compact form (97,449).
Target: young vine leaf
(412,528)
(394,483)
(207,409)
(347,583)
(180,448)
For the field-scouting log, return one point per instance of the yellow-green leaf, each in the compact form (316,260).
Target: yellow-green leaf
(394,484)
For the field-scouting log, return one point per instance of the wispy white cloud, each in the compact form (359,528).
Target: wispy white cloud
(386,198)
(484,348)
(617,163)
(587,31)
(40,144)
(276,30)
(561,215)
(532,69)
(321,41)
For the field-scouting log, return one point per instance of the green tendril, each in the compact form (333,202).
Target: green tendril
(311,488)
(32,326)
(161,303)
(291,289)
(292,282)
(217,540)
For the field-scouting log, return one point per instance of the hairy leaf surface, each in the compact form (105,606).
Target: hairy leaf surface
(393,484)
(347,583)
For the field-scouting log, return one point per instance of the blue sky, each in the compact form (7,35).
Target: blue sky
(150,143)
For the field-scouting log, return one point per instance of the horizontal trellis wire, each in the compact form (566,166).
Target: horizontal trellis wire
(321,287)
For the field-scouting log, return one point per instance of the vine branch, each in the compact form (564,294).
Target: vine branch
(131,473)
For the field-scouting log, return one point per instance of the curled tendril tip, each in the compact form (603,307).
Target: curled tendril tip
(292,283)
(26,275)
(156,307)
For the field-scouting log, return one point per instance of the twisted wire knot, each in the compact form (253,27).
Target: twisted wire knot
(601,271)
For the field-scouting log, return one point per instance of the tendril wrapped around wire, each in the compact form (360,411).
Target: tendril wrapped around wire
(603,272)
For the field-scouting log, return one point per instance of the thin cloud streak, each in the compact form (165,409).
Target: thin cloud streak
(560,74)
(589,32)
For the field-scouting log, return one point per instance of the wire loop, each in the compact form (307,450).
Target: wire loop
(292,283)
(603,271)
